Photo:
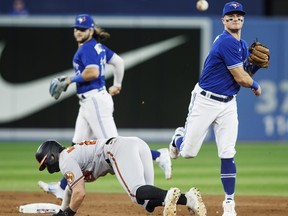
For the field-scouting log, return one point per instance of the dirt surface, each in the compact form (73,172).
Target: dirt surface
(121,205)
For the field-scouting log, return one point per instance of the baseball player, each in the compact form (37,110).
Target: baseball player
(129,158)
(95,117)
(213,100)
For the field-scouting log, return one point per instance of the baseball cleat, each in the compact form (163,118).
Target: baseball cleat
(52,188)
(170,202)
(229,208)
(164,162)
(173,151)
(195,203)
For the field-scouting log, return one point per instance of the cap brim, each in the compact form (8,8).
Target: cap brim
(42,167)
(231,12)
(81,26)
(42,163)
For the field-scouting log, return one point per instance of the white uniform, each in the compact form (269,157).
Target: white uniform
(95,159)
(95,118)
(223,117)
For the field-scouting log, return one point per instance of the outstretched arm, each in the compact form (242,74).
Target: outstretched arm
(78,195)
(245,80)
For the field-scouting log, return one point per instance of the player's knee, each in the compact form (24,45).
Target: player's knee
(187,155)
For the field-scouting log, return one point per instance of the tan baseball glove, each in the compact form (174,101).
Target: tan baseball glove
(259,55)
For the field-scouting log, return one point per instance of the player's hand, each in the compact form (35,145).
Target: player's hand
(257,92)
(114,90)
(60,213)
(66,212)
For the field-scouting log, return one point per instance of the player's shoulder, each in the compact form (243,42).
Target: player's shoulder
(244,42)
(225,38)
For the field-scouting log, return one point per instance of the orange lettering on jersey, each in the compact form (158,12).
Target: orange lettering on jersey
(87,142)
(70,149)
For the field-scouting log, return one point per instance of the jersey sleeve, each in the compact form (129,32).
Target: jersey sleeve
(71,171)
(89,57)
(232,53)
(109,53)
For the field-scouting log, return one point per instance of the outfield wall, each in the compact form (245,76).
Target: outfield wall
(157,83)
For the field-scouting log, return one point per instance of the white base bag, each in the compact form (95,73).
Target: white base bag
(39,208)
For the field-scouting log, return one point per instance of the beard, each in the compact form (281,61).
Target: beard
(83,40)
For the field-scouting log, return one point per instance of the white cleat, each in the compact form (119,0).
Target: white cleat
(170,202)
(164,162)
(173,151)
(195,203)
(229,208)
(52,188)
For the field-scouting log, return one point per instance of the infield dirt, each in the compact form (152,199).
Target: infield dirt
(96,204)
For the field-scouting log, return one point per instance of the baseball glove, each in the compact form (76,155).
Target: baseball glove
(57,86)
(259,55)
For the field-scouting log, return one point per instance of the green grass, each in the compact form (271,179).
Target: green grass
(262,169)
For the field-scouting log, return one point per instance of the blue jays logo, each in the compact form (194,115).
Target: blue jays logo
(235,5)
(81,19)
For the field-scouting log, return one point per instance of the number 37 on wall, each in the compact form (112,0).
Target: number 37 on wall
(273,104)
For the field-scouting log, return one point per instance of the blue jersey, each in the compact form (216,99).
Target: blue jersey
(91,53)
(226,53)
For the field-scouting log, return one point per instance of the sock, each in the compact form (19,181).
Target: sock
(178,142)
(63,183)
(155,154)
(150,192)
(182,200)
(228,177)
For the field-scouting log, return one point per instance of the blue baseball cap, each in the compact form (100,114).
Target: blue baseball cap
(233,7)
(83,21)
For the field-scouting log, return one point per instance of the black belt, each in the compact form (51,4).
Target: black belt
(110,141)
(99,90)
(225,100)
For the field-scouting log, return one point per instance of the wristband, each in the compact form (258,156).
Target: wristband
(249,67)
(254,85)
(77,78)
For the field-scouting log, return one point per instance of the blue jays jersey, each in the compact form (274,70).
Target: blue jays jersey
(90,54)
(226,53)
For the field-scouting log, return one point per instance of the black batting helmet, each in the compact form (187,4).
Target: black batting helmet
(48,155)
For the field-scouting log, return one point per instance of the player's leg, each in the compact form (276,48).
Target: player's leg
(162,158)
(136,175)
(82,128)
(140,187)
(188,140)
(226,135)
(52,188)
(152,197)
(99,114)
